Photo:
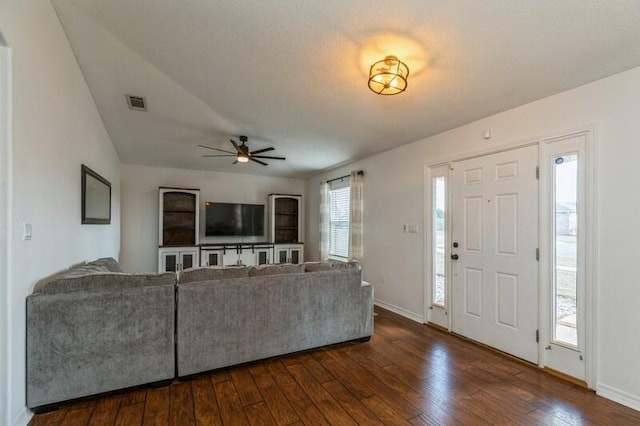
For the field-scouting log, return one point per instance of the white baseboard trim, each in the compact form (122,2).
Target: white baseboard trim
(400,311)
(23,417)
(619,396)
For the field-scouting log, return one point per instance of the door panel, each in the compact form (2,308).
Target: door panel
(473,292)
(507,300)
(507,224)
(494,205)
(170,261)
(473,223)
(188,260)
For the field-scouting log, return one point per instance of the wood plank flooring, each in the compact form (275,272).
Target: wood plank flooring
(408,374)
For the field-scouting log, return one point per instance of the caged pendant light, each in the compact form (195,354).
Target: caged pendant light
(388,76)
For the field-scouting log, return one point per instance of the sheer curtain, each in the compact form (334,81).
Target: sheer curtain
(355,217)
(324,221)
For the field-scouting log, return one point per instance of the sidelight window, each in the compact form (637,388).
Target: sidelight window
(438,232)
(565,244)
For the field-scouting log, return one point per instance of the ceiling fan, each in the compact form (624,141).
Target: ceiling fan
(242,154)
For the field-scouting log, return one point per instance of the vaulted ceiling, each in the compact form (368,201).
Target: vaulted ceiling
(293,74)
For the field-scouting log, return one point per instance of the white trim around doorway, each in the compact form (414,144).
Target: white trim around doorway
(591,250)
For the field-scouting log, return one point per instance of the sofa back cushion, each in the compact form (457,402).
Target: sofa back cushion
(103,281)
(330,266)
(208,273)
(257,271)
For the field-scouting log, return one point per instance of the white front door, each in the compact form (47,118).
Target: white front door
(494,226)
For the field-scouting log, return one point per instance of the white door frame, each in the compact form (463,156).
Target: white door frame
(5,228)
(591,255)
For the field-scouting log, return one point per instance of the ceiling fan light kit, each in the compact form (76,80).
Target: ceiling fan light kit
(388,76)
(243,154)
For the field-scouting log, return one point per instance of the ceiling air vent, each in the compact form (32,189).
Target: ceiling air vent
(136,103)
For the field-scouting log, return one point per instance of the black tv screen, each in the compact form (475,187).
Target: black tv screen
(232,219)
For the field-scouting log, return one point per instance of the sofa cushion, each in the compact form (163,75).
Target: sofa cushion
(105,264)
(353,264)
(108,264)
(55,283)
(256,271)
(104,281)
(208,273)
(330,266)
(318,266)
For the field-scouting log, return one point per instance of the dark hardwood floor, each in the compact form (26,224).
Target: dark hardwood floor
(407,374)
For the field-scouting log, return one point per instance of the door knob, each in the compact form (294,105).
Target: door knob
(454,256)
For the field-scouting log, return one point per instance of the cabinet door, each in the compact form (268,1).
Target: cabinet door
(170,262)
(230,257)
(263,256)
(247,257)
(188,259)
(282,255)
(296,256)
(211,258)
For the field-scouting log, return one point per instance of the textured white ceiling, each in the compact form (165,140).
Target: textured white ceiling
(293,74)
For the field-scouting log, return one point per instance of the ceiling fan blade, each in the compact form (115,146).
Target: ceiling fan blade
(235,162)
(267,157)
(220,155)
(259,151)
(217,149)
(258,161)
(235,145)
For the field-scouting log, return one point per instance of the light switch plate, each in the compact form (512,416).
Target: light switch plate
(26,231)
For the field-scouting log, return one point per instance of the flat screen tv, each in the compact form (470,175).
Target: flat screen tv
(232,219)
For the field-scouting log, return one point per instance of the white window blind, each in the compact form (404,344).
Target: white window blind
(339,200)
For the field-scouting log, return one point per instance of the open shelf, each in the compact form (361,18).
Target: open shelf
(178,217)
(285,216)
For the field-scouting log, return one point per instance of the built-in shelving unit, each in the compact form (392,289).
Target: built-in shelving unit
(285,217)
(285,227)
(178,229)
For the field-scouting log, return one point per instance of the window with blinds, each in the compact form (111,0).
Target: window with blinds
(339,196)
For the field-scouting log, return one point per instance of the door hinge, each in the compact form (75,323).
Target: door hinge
(537,172)
(537,254)
(537,336)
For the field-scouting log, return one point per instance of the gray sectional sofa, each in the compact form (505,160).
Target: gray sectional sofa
(94,329)
(236,315)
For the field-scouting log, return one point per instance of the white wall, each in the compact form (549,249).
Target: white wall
(55,129)
(140,204)
(5,102)
(394,194)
